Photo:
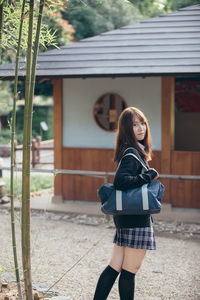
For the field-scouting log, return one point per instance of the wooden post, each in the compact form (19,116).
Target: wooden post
(168,128)
(38,141)
(58,125)
(15,151)
(34,153)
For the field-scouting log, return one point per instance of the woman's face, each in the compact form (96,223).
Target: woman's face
(139,129)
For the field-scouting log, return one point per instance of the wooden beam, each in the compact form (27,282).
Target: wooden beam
(58,124)
(168,129)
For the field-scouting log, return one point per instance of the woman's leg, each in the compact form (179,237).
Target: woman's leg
(131,263)
(117,257)
(109,275)
(133,259)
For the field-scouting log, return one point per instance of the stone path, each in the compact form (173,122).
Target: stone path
(60,240)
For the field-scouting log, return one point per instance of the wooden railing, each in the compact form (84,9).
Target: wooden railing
(36,147)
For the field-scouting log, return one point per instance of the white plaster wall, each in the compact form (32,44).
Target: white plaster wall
(79,96)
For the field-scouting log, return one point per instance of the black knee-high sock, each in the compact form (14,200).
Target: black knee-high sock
(105,283)
(126,285)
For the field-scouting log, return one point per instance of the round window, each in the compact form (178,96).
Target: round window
(107,109)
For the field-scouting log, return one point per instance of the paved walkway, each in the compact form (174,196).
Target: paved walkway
(64,246)
(64,233)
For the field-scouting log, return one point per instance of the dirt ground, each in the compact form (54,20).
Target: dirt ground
(79,252)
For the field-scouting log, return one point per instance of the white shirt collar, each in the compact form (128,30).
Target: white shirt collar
(141,146)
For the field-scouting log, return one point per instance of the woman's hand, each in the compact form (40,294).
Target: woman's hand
(154,173)
(157,176)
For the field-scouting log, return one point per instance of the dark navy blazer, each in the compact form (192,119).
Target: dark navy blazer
(129,175)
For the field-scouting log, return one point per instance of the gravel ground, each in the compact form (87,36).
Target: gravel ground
(59,241)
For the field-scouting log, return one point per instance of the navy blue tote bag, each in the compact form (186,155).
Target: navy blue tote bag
(137,201)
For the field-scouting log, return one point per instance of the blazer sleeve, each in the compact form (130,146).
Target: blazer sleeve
(129,174)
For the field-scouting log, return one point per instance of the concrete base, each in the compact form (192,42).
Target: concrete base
(5,150)
(57,199)
(170,213)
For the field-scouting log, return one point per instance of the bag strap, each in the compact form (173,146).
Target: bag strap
(135,156)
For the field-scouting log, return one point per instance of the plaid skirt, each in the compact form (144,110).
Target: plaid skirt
(139,238)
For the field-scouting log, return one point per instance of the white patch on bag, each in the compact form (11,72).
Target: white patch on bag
(145,200)
(118,200)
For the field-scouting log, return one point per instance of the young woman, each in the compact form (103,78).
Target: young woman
(134,233)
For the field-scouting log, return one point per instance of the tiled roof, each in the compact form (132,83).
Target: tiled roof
(165,45)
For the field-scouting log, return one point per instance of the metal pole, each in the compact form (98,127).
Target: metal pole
(98,173)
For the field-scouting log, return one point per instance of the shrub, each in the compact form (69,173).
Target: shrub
(38,182)
(5,137)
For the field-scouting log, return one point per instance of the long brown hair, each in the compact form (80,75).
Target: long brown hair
(126,137)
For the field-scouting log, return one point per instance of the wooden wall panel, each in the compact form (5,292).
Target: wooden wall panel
(185,193)
(196,163)
(156,161)
(57,96)
(85,188)
(195,197)
(167,114)
(180,193)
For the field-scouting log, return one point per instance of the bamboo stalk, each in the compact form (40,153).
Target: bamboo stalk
(26,175)
(34,62)
(13,121)
(25,231)
(1,24)
(30,108)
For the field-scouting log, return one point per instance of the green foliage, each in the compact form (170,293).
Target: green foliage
(41,88)
(12,15)
(43,114)
(5,98)
(40,113)
(148,8)
(38,183)
(91,17)
(63,31)
(51,32)
(173,5)
(153,8)
(5,136)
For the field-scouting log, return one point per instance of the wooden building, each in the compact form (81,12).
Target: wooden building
(153,65)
